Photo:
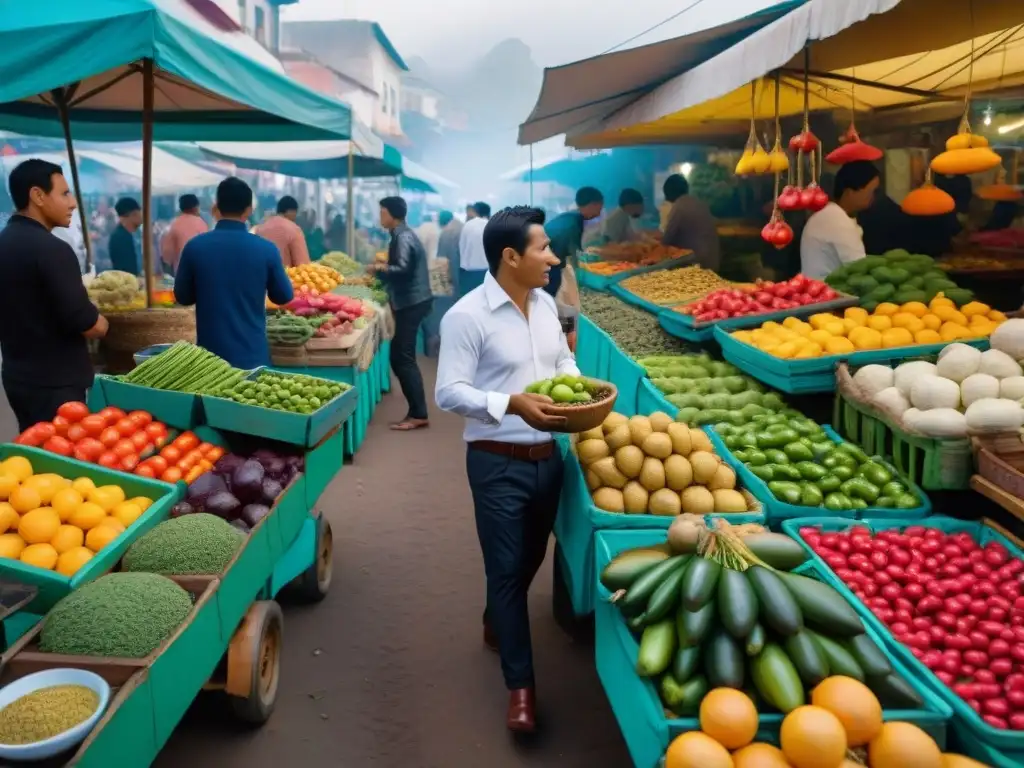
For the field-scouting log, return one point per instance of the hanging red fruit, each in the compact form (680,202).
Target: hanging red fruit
(789,199)
(805,141)
(852,149)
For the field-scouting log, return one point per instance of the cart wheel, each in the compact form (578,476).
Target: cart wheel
(314,583)
(254,662)
(580,629)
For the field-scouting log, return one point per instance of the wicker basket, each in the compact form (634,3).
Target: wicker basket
(1001,461)
(580,418)
(141,328)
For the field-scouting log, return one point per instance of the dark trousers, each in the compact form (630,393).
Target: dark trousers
(515,502)
(554,281)
(403,356)
(470,279)
(32,403)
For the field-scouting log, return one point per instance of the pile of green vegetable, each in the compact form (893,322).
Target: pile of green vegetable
(374,292)
(287,330)
(197,544)
(635,331)
(126,615)
(802,465)
(717,609)
(566,390)
(898,277)
(342,262)
(184,367)
(286,392)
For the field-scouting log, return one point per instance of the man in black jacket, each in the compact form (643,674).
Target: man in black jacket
(407,279)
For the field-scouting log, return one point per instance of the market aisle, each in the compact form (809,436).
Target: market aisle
(389,670)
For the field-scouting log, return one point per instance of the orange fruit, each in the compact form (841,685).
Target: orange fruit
(759,756)
(7,485)
(100,536)
(69,563)
(854,704)
(898,745)
(40,555)
(812,737)
(39,526)
(112,522)
(953,760)
(47,484)
(141,502)
(8,517)
(18,466)
(694,749)
(25,499)
(65,502)
(87,516)
(729,717)
(83,485)
(67,537)
(11,545)
(107,497)
(127,512)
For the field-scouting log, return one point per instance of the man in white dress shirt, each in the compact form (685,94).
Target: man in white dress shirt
(472,259)
(498,339)
(832,237)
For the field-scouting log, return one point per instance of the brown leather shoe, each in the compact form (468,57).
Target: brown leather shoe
(521,705)
(490,639)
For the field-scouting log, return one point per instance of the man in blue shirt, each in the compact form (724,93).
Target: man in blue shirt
(566,232)
(124,256)
(228,274)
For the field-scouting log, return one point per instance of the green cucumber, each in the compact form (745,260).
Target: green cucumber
(869,656)
(777,679)
(621,572)
(685,698)
(692,626)
(737,603)
(779,610)
(840,661)
(666,596)
(657,645)
(635,600)
(822,606)
(807,657)
(894,692)
(755,640)
(685,663)
(724,661)
(637,623)
(699,582)
(776,550)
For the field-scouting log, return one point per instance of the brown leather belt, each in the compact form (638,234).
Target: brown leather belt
(518,451)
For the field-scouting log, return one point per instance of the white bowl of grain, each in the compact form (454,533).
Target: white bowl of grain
(66,739)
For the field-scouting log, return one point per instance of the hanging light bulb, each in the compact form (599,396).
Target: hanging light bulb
(988,115)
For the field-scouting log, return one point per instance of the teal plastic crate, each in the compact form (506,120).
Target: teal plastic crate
(52,585)
(322,463)
(754,321)
(674,324)
(593,349)
(634,700)
(650,399)
(578,520)
(777,510)
(1009,743)
(596,282)
(627,376)
(175,409)
(294,428)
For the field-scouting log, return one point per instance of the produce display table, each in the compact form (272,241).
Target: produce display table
(598,356)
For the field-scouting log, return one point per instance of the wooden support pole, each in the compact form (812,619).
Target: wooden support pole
(60,98)
(148,95)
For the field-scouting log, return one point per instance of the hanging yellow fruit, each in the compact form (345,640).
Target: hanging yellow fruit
(1000,192)
(778,160)
(928,200)
(745,166)
(966,141)
(958,162)
(760,160)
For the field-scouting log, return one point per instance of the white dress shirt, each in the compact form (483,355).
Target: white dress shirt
(471,245)
(831,238)
(490,351)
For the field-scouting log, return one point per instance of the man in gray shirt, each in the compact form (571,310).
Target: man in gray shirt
(690,224)
(448,246)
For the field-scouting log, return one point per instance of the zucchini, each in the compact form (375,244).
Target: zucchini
(685,663)
(724,661)
(776,679)
(635,600)
(823,607)
(699,582)
(737,603)
(755,640)
(895,693)
(778,608)
(666,596)
(637,623)
(807,657)
(657,645)
(621,572)
(868,656)
(692,626)
(776,550)
(683,698)
(840,661)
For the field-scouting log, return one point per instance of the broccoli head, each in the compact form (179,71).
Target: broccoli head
(198,544)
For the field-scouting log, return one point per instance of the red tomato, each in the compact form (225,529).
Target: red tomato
(214,454)
(78,454)
(94,424)
(192,475)
(142,417)
(186,442)
(28,437)
(109,437)
(108,459)
(171,475)
(59,445)
(45,429)
(91,448)
(186,465)
(76,433)
(140,440)
(126,427)
(145,472)
(155,430)
(130,462)
(158,463)
(111,415)
(205,465)
(204,448)
(194,456)
(61,425)
(123,448)
(172,454)
(73,411)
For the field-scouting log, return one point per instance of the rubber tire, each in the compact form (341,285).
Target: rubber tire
(257,707)
(309,586)
(580,629)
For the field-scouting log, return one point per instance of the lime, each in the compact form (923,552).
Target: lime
(562,393)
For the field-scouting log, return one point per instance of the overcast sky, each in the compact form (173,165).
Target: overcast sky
(559,31)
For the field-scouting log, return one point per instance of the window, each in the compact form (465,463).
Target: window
(243,16)
(384,99)
(260,28)
(394,103)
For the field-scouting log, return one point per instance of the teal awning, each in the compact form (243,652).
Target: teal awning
(206,86)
